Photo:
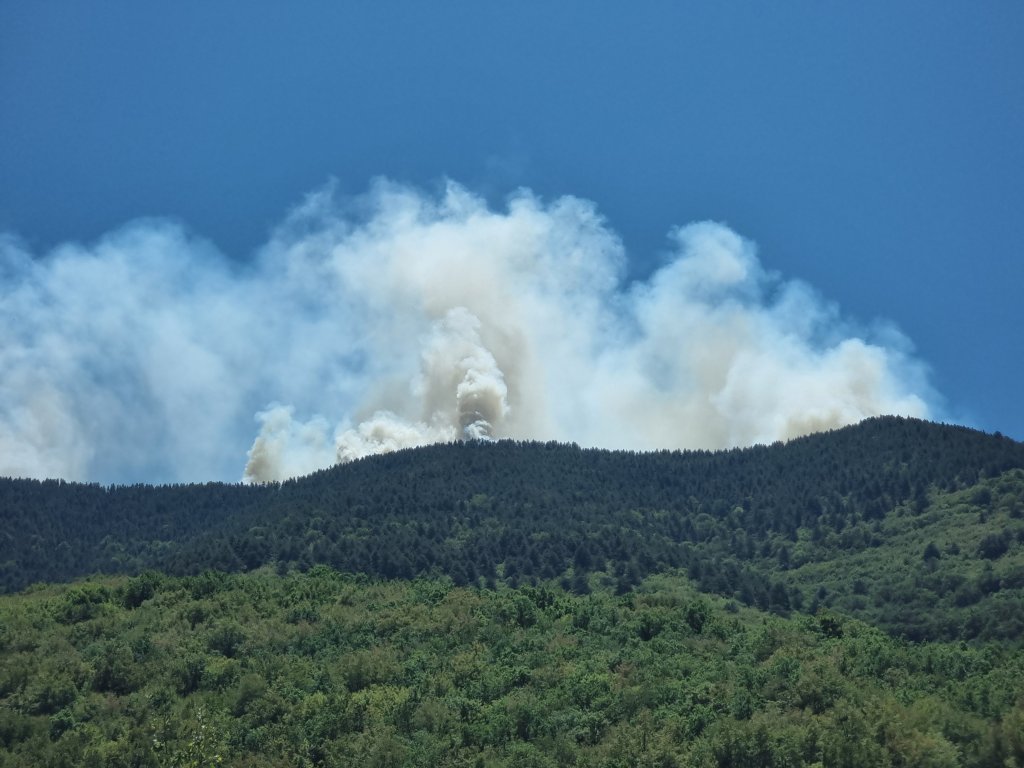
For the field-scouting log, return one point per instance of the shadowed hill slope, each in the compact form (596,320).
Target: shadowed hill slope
(749,523)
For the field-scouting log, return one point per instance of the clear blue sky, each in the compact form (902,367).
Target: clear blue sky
(874,150)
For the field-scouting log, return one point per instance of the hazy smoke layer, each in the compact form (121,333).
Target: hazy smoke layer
(401,318)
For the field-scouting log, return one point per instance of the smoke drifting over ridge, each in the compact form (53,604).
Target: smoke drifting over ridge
(402,318)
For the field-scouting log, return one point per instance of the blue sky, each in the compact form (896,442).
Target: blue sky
(872,150)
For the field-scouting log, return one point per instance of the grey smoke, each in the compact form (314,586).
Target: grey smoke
(401,318)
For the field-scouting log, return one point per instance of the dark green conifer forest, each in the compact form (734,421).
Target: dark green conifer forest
(848,598)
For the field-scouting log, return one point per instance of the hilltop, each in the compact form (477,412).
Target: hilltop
(913,525)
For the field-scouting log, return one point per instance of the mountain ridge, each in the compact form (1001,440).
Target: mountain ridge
(742,522)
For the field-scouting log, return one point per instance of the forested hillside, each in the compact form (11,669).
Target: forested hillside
(914,526)
(530,605)
(322,668)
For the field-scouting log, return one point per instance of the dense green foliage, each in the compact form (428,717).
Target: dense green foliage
(950,567)
(320,668)
(923,520)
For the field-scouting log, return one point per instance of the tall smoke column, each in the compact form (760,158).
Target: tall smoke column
(461,391)
(456,363)
(401,318)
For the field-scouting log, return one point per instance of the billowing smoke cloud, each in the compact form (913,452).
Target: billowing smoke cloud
(401,318)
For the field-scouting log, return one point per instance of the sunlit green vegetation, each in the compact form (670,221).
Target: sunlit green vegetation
(265,669)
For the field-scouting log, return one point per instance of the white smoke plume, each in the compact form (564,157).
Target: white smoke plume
(401,318)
